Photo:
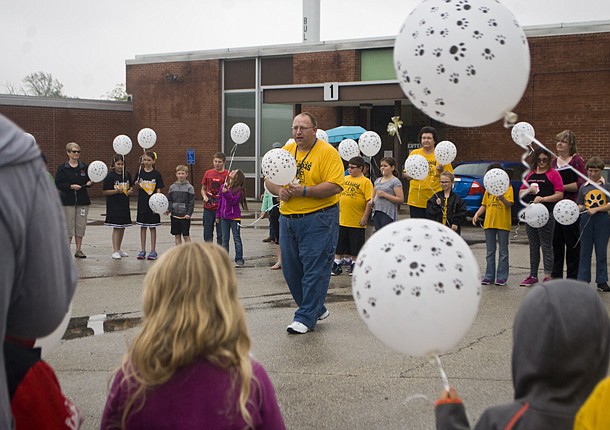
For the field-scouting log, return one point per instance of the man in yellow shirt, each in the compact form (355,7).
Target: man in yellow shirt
(421,191)
(309,222)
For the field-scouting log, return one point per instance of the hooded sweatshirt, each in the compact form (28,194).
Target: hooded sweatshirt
(37,275)
(561,345)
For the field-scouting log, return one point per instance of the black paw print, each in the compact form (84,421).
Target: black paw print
(445,15)
(441,267)
(448,241)
(460,255)
(433,9)
(439,287)
(425,227)
(487,54)
(416,291)
(458,51)
(405,76)
(422,22)
(479,289)
(358,295)
(462,23)
(411,95)
(417,80)
(439,113)
(398,289)
(463,5)
(458,284)
(365,314)
(407,239)
(440,69)
(444,32)
(470,70)
(523,39)
(459,268)
(437,52)
(416,247)
(415,34)
(435,251)
(423,103)
(439,102)
(367,269)
(501,39)
(427,91)
(492,23)
(484,9)
(477,34)
(429,31)
(367,285)
(392,274)
(372,301)
(387,247)
(427,236)
(416,269)
(455,78)
(400,258)
(516,23)
(361,260)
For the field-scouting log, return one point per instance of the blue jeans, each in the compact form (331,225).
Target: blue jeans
(490,242)
(595,232)
(209,219)
(308,246)
(232,225)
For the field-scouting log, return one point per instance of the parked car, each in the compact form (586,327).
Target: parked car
(469,183)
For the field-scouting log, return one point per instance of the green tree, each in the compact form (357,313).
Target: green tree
(42,84)
(118,93)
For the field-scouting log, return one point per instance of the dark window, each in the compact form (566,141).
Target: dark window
(240,74)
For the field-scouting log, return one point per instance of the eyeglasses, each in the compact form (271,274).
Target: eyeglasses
(353,167)
(542,160)
(298,127)
(75,152)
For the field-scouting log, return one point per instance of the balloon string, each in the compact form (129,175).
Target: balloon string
(261,216)
(442,371)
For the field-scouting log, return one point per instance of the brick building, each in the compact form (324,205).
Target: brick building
(192,99)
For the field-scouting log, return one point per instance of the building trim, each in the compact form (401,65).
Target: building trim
(65,103)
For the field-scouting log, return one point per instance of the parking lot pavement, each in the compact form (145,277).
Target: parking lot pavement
(337,377)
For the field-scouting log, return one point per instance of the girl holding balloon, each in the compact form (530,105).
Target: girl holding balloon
(231,195)
(150,181)
(497,229)
(388,194)
(117,189)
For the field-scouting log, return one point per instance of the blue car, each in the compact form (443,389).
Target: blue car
(469,183)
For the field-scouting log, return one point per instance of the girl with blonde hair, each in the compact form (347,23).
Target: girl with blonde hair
(189,366)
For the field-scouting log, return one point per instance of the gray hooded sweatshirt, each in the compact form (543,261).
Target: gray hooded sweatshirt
(561,345)
(37,275)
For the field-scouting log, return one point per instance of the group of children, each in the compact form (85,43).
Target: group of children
(118,186)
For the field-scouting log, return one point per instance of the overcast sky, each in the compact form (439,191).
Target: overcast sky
(84,43)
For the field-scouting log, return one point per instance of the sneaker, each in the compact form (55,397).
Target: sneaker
(152,255)
(116,255)
(267,240)
(547,278)
(604,288)
(297,328)
(79,254)
(529,281)
(336,270)
(123,253)
(239,263)
(350,269)
(500,282)
(141,255)
(486,281)
(324,315)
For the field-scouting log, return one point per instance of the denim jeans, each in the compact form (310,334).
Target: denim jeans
(490,241)
(229,226)
(308,246)
(595,233)
(209,219)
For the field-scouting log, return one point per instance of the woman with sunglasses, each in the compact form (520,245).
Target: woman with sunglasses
(545,187)
(72,181)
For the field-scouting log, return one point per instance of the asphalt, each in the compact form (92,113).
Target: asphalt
(337,377)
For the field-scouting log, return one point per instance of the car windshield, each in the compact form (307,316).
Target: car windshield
(471,169)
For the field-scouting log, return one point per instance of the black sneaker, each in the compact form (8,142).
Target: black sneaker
(350,269)
(604,288)
(336,270)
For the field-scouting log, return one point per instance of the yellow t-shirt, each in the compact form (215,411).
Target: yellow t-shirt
(352,202)
(323,164)
(593,415)
(496,214)
(421,191)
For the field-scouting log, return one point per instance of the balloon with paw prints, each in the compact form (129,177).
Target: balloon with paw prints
(369,143)
(535,215)
(147,138)
(240,133)
(416,286)
(566,212)
(417,167)
(279,166)
(496,182)
(445,152)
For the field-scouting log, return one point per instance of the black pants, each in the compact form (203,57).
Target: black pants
(565,238)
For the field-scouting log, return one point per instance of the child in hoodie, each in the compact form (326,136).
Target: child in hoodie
(181,199)
(561,345)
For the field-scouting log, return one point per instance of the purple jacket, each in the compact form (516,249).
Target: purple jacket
(228,203)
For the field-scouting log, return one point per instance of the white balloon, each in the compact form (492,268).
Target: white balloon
(322,135)
(566,212)
(463,63)
(535,215)
(122,144)
(417,167)
(291,140)
(496,182)
(97,171)
(267,189)
(158,203)
(348,149)
(240,133)
(416,286)
(445,152)
(279,166)
(369,143)
(49,342)
(522,134)
(147,138)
